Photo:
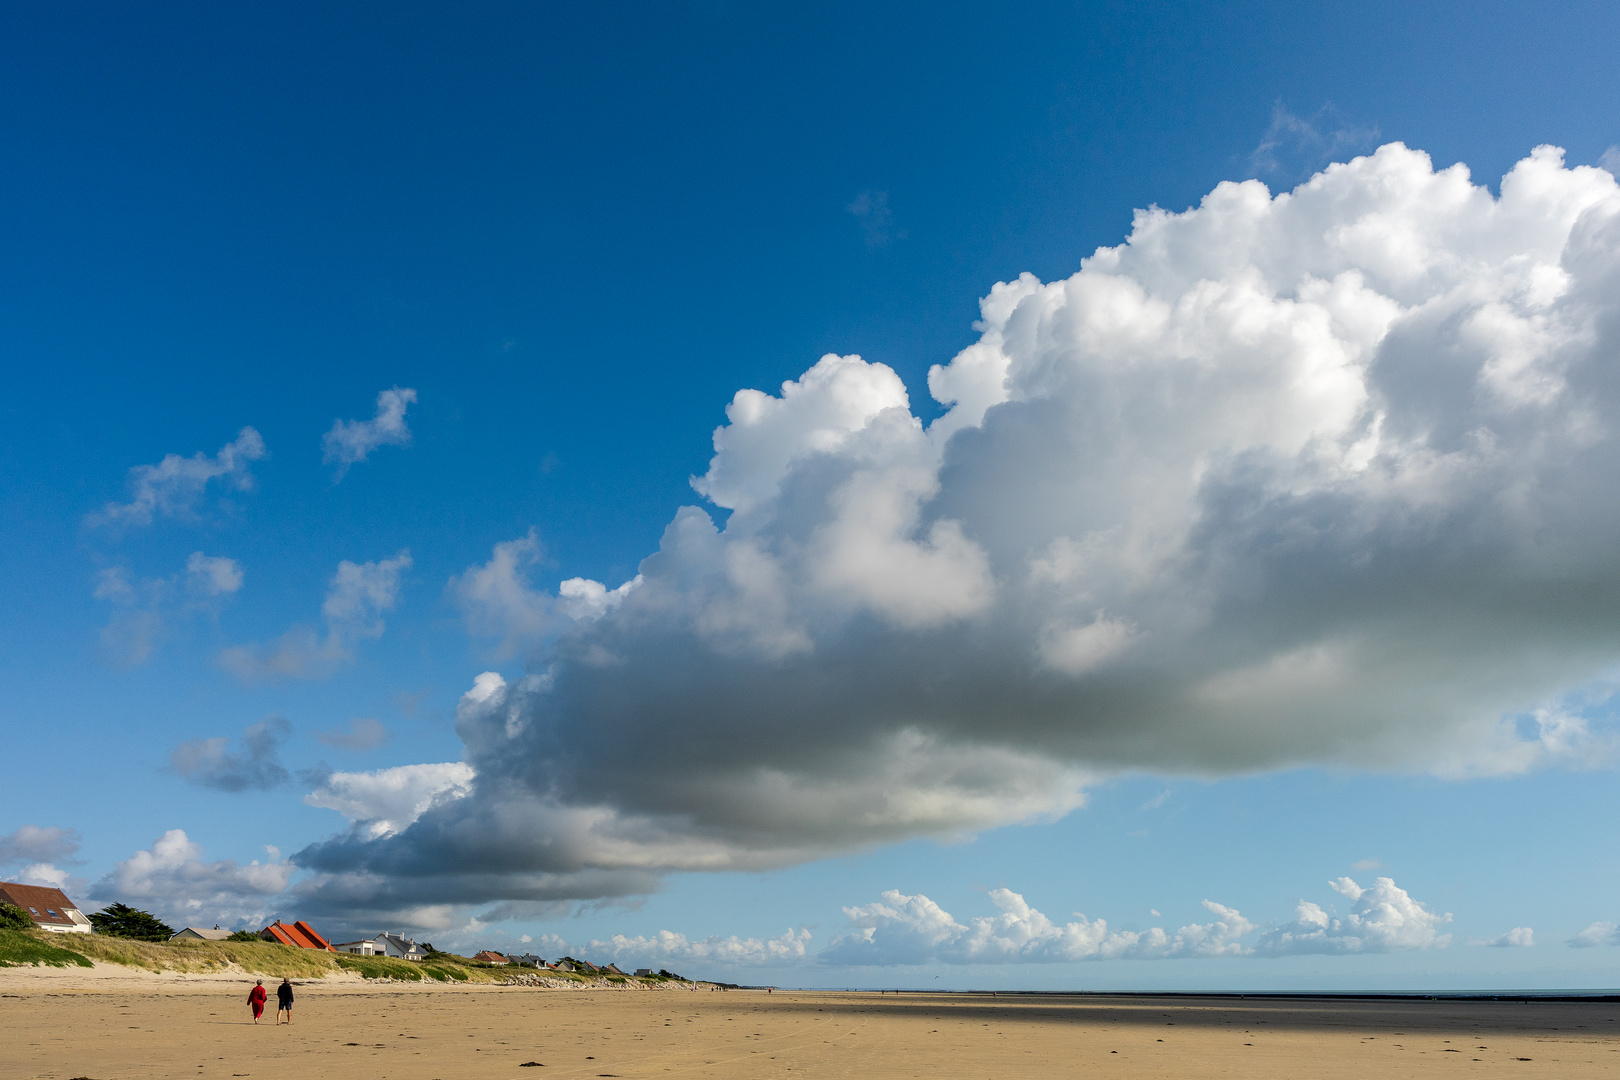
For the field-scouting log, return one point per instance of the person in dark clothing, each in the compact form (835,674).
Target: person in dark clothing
(284,1000)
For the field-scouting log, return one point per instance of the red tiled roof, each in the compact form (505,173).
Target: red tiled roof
(300,934)
(488,957)
(39,901)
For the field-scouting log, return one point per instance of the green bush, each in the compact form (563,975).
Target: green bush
(120,920)
(244,935)
(13,917)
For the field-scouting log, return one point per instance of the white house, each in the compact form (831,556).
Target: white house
(49,908)
(398,947)
(384,945)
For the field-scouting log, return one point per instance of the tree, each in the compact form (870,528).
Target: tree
(244,935)
(13,917)
(120,920)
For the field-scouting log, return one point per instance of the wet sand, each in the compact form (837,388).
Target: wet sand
(116,1028)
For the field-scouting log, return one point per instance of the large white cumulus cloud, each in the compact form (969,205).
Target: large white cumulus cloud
(1323,477)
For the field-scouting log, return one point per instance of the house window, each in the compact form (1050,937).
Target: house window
(33,911)
(52,913)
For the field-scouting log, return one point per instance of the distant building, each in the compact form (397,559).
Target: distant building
(197,933)
(577,965)
(526,959)
(487,957)
(299,934)
(384,945)
(611,969)
(645,971)
(49,908)
(400,948)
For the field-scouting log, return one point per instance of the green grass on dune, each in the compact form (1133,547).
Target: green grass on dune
(196,957)
(439,969)
(251,957)
(19,947)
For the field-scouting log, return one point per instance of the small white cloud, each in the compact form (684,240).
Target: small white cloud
(1611,160)
(1364,865)
(364,733)
(356,600)
(1520,937)
(213,575)
(1599,933)
(350,441)
(666,946)
(173,486)
(386,801)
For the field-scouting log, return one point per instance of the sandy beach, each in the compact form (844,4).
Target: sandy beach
(113,1024)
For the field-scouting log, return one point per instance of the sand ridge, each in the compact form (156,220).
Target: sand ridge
(113,1029)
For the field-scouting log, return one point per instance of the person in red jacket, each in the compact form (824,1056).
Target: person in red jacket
(256,999)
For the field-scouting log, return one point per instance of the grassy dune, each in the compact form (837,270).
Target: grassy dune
(18,947)
(256,957)
(253,957)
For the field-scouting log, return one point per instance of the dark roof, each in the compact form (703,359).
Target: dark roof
(39,902)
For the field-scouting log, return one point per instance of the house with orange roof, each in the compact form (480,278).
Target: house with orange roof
(299,934)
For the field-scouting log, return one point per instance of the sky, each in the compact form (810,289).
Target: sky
(1059,496)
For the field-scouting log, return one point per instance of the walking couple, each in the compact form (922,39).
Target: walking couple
(284,1000)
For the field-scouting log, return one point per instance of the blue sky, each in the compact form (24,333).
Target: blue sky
(936,664)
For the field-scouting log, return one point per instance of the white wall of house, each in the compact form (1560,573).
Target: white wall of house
(81,925)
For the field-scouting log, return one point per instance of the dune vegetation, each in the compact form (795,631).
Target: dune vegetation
(31,947)
(251,957)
